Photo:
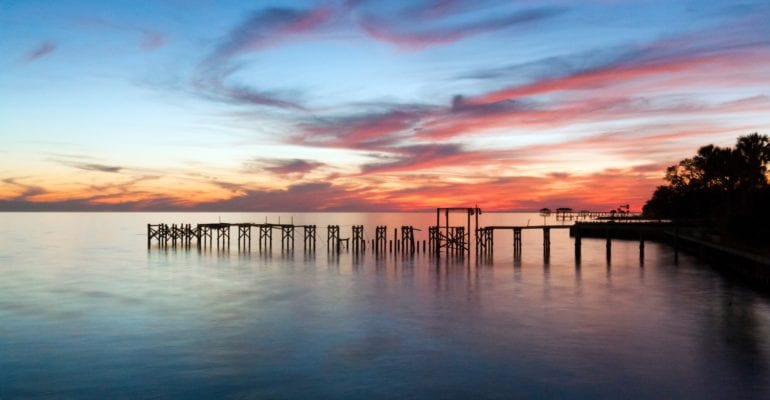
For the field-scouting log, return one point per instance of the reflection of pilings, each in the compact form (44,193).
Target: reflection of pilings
(204,232)
(191,233)
(266,237)
(517,243)
(244,236)
(578,246)
(333,238)
(458,240)
(358,238)
(485,241)
(223,235)
(287,238)
(173,234)
(309,237)
(407,239)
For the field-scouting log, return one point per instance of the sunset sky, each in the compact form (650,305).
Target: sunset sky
(368,105)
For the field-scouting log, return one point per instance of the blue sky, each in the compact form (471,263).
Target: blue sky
(364,105)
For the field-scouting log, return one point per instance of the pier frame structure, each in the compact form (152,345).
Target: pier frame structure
(359,244)
(309,237)
(407,239)
(380,239)
(451,238)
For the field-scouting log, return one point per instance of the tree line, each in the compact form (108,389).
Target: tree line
(722,187)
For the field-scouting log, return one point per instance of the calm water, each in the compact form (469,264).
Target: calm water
(86,311)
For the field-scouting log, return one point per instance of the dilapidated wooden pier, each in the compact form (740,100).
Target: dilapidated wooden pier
(217,236)
(444,239)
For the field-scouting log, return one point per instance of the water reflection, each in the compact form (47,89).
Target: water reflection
(733,330)
(89,322)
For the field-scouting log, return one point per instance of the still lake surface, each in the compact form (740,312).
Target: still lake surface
(86,311)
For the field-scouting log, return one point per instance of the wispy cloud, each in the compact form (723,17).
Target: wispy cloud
(296,167)
(25,191)
(212,84)
(422,157)
(40,51)
(436,25)
(268,27)
(149,39)
(735,45)
(74,162)
(312,196)
(152,40)
(258,31)
(405,37)
(365,130)
(97,167)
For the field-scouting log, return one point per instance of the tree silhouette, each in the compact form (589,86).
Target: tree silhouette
(727,186)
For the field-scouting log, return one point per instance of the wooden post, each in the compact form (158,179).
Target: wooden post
(517,243)
(446,222)
(477,211)
(578,245)
(287,238)
(333,237)
(469,234)
(358,238)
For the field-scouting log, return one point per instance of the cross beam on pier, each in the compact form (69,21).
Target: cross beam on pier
(451,238)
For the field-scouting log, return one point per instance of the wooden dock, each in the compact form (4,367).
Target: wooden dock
(443,239)
(217,235)
(446,240)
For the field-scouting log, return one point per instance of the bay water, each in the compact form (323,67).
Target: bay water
(88,311)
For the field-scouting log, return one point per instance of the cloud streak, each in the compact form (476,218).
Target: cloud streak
(42,50)
(401,33)
(96,167)
(266,28)
(728,46)
(260,30)
(149,39)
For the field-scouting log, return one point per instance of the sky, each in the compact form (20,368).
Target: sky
(357,105)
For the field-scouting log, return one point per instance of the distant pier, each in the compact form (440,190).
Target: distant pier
(445,238)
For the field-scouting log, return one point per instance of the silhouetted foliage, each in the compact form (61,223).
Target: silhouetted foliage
(720,186)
